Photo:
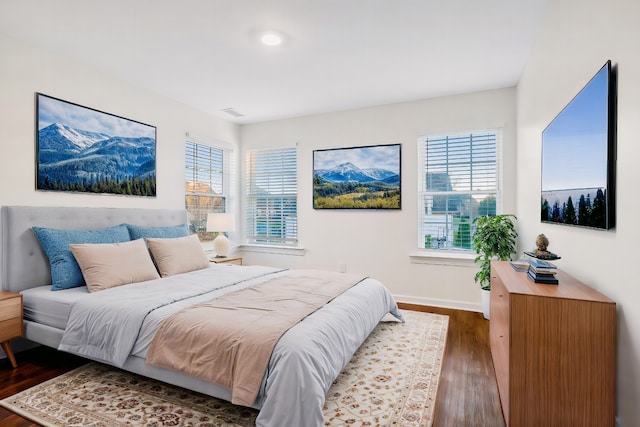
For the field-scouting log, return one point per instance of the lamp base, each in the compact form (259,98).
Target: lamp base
(221,246)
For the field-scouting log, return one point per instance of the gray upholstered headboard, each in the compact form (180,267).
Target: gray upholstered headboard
(24,264)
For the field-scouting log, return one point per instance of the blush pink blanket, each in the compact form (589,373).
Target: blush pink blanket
(229,340)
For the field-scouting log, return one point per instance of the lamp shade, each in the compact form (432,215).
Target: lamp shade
(220,222)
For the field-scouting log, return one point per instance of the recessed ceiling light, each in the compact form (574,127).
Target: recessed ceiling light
(271,38)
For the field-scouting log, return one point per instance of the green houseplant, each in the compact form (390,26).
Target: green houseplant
(495,238)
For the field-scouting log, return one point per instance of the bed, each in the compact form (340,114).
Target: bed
(292,389)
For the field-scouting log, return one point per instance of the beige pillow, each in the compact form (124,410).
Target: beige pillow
(107,265)
(177,255)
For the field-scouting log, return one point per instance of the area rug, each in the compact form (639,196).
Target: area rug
(392,380)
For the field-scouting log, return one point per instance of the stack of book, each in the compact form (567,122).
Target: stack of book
(541,271)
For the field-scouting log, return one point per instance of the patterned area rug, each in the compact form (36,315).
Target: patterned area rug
(392,380)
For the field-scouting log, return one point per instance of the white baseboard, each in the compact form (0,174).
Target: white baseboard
(434,302)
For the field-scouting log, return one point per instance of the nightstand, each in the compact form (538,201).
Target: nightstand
(11,325)
(234,261)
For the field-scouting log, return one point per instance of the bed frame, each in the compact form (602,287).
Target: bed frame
(24,265)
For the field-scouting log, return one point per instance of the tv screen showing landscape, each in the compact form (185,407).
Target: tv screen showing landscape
(577,158)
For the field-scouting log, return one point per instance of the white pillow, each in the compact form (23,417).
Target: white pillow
(107,265)
(178,255)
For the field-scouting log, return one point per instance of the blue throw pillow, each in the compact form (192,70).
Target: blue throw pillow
(140,232)
(65,271)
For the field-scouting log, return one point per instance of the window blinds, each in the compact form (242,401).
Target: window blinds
(461,163)
(272,188)
(459,181)
(204,183)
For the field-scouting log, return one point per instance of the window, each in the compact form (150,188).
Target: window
(272,187)
(458,182)
(205,184)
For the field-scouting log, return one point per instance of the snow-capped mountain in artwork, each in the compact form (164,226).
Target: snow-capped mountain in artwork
(348,172)
(61,137)
(78,159)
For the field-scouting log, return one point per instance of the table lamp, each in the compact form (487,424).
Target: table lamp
(220,223)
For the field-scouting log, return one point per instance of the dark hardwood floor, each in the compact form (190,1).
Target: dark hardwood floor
(34,367)
(467,393)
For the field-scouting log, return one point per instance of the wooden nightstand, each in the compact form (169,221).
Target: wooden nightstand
(235,261)
(11,325)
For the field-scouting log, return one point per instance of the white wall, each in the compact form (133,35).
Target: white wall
(25,70)
(378,243)
(577,38)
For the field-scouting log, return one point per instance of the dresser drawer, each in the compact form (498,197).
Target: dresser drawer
(500,312)
(499,304)
(10,329)
(10,308)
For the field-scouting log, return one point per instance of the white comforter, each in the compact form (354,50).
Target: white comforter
(111,325)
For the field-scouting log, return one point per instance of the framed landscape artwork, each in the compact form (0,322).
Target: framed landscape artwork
(79,149)
(365,177)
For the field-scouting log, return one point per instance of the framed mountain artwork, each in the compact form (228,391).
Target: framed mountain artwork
(79,149)
(357,177)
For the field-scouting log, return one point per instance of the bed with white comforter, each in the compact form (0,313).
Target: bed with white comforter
(116,326)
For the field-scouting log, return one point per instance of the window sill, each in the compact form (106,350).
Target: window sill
(458,259)
(272,249)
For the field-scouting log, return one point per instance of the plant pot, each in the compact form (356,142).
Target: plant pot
(486,302)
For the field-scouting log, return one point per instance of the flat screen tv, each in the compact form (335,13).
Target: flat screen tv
(578,157)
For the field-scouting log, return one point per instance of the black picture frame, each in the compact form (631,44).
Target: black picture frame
(83,150)
(363,177)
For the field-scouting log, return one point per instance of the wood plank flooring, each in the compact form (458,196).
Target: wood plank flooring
(467,393)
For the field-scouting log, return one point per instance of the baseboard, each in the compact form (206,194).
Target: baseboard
(434,302)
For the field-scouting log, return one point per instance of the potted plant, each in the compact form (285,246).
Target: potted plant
(495,238)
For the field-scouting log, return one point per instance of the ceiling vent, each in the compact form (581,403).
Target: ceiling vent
(232,112)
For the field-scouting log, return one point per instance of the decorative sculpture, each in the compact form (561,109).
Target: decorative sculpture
(542,243)
(541,252)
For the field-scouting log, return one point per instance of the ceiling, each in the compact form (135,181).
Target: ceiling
(336,54)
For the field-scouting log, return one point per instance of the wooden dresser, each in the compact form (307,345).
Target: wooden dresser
(553,349)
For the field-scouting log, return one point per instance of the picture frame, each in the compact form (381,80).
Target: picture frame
(83,150)
(364,177)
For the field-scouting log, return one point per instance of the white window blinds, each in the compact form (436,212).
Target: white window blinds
(272,188)
(458,182)
(204,183)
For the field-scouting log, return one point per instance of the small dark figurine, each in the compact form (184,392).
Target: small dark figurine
(542,243)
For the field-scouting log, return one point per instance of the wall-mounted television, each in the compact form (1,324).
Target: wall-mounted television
(579,155)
